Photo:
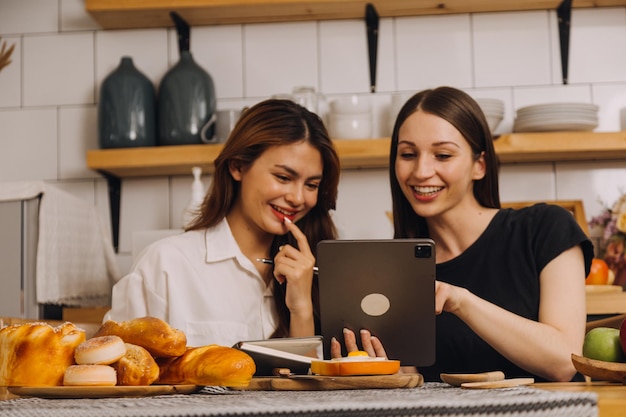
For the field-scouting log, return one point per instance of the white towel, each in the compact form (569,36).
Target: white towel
(75,258)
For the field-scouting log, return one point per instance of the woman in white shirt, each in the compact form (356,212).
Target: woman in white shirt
(274,185)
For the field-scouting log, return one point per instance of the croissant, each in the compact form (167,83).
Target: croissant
(211,365)
(37,354)
(151,333)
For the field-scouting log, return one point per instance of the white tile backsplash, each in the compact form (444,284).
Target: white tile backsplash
(58,69)
(527,182)
(28,16)
(433,51)
(78,133)
(597,52)
(145,206)
(364,197)
(611,98)
(28,144)
(280,56)
(73,16)
(49,94)
(511,48)
(599,184)
(219,50)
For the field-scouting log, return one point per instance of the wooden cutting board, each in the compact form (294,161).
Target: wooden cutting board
(322,383)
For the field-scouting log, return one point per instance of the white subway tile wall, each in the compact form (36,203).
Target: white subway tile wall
(49,94)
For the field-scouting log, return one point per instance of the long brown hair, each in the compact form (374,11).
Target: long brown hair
(267,124)
(462,111)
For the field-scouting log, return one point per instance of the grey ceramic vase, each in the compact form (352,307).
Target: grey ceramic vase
(186,104)
(127,108)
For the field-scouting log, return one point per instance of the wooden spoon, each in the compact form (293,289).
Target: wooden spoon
(458,379)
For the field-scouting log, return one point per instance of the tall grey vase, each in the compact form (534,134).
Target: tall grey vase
(186,104)
(127,108)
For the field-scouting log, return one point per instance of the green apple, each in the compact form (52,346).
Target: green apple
(603,343)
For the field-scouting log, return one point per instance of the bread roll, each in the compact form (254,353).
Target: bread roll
(136,367)
(209,365)
(37,354)
(151,333)
(102,350)
(90,375)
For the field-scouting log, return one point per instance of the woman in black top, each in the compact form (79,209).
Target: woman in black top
(510,289)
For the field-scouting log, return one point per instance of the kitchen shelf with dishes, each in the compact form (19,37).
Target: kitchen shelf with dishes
(126,14)
(116,164)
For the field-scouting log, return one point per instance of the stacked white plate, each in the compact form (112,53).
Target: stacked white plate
(556,117)
(493,110)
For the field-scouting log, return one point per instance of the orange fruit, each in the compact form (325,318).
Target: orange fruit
(599,273)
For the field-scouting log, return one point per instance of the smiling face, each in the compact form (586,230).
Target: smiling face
(282,182)
(435,166)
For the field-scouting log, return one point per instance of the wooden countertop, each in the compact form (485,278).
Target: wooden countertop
(606,299)
(611,396)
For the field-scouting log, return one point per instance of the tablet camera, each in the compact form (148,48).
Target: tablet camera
(423,250)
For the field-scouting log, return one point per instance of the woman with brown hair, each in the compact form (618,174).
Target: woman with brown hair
(510,284)
(274,185)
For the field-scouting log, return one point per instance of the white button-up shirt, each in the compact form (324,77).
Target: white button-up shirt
(199,282)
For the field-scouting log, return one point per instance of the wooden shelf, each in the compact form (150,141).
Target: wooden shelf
(116,164)
(366,153)
(124,14)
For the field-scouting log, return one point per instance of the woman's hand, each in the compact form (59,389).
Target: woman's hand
(370,344)
(447,297)
(295,266)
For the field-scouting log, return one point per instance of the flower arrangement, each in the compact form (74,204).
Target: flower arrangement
(613,242)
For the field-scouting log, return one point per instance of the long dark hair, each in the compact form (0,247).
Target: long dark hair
(462,111)
(267,124)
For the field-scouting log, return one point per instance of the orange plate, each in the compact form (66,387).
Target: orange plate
(344,368)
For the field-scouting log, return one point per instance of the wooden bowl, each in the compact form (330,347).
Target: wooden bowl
(600,370)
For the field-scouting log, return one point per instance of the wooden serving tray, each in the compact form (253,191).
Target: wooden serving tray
(322,383)
(102,391)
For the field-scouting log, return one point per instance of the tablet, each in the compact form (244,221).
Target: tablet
(386,286)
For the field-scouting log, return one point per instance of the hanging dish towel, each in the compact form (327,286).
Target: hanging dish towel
(75,258)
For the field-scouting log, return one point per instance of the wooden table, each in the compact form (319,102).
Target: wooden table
(611,396)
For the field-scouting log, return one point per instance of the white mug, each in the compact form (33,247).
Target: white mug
(226,121)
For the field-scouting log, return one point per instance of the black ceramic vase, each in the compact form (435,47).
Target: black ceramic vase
(186,102)
(127,108)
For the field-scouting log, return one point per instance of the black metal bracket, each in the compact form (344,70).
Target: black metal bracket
(564,14)
(115,195)
(371,23)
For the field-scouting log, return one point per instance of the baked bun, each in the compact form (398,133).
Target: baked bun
(37,354)
(209,365)
(136,367)
(90,375)
(151,333)
(102,350)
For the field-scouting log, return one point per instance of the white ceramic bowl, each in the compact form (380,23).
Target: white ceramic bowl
(353,104)
(351,126)
(493,120)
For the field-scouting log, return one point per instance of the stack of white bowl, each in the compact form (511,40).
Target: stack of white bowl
(556,117)
(350,118)
(493,110)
